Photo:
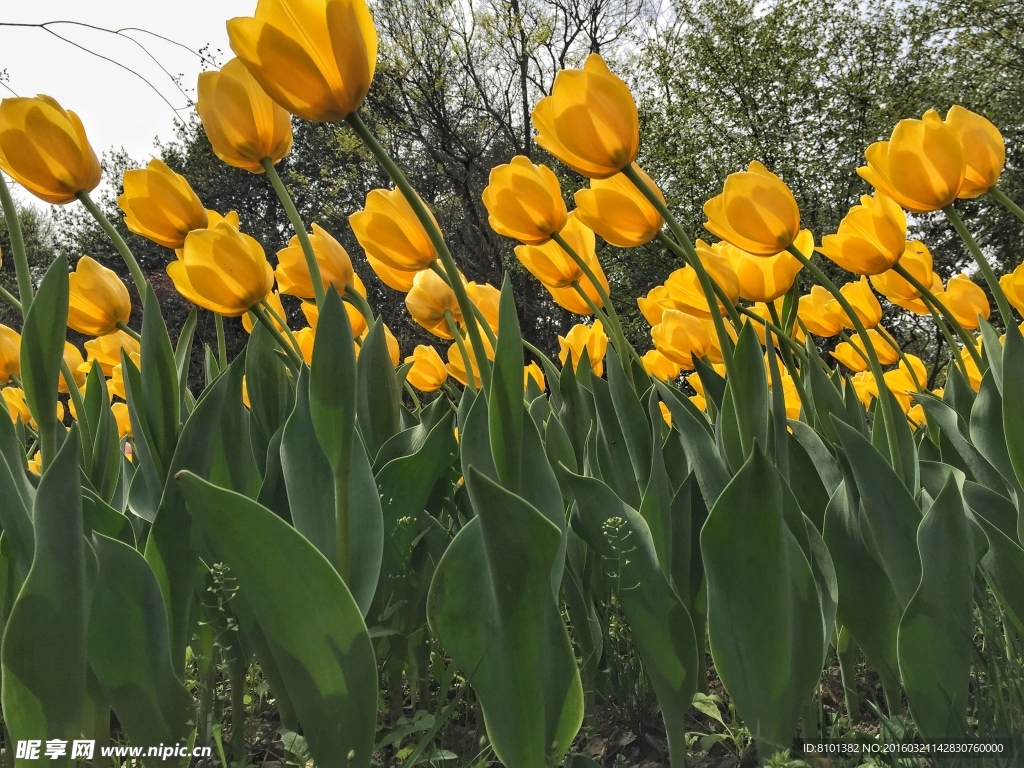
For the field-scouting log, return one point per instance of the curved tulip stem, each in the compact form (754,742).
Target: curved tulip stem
(122,326)
(1003,199)
(222,343)
(537,353)
(433,232)
(282,324)
(892,437)
(935,306)
(466,361)
(438,270)
(734,310)
(860,352)
(299,227)
(986,269)
(776,328)
(10,299)
(260,314)
(954,349)
(17,239)
(415,398)
(356,299)
(115,237)
(787,356)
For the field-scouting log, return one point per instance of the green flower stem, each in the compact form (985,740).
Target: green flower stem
(10,299)
(538,354)
(121,326)
(466,361)
(787,356)
(937,307)
(903,357)
(986,269)
(17,247)
(83,421)
(438,270)
(892,437)
(776,328)
(413,395)
(734,310)
(299,227)
(1003,199)
(433,232)
(222,344)
(282,323)
(356,299)
(860,352)
(260,314)
(117,240)
(954,348)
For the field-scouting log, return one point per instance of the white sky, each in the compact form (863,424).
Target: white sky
(117,108)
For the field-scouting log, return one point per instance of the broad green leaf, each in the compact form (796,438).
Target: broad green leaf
(987,433)
(129,650)
(935,637)
(379,394)
(148,481)
(952,427)
(904,438)
(613,454)
(474,434)
(1013,407)
(636,428)
(160,403)
(313,628)
(505,394)
(990,340)
(268,382)
(106,448)
(828,401)
(957,393)
(766,643)
(1003,566)
(16,498)
(805,482)
(701,450)
(712,381)
(490,604)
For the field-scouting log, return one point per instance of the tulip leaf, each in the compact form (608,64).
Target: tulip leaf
(160,401)
(953,427)
(17,496)
(106,447)
(935,637)
(474,434)
(491,606)
(712,381)
(183,355)
(701,451)
(313,628)
(827,400)
(905,439)
(613,455)
(990,341)
(957,393)
(750,390)
(987,433)
(1013,407)
(148,481)
(378,391)
(505,394)
(44,645)
(636,429)
(137,677)
(267,381)
(658,620)
(1003,566)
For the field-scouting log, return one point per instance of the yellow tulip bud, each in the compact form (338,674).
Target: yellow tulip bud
(429,299)
(160,205)
(292,273)
(355,317)
(858,293)
(17,406)
(106,350)
(35,464)
(428,372)
(815,311)
(965,300)
(524,201)
(616,210)
(589,337)
(533,371)
(921,166)
(75,361)
(570,299)
(388,230)
(589,121)
(115,386)
(222,270)
(242,122)
(654,304)
(212,220)
(314,59)
(398,279)
(660,367)
(10,353)
(553,266)
(790,395)
(1013,286)
(917,260)
(393,349)
(681,338)
(766,278)
(865,387)
(719,268)
(871,237)
(457,366)
(984,150)
(305,338)
(666,414)
(916,416)
(852,354)
(44,148)
(97,299)
(487,299)
(684,291)
(756,212)
(973,374)
(122,419)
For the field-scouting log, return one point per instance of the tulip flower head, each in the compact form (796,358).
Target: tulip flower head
(17,406)
(984,150)
(429,299)
(457,368)
(428,372)
(160,205)
(10,353)
(398,279)
(817,313)
(922,165)
(244,125)
(660,367)
(524,201)
(388,230)
(864,302)
(681,338)
(75,362)
(222,270)
(766,278)
(44,148)
(871,237)
(106,350)
(917,260)
(584,337)
(756,212)
(552,265)
(1013,286)
(589,121)
(617,211)
(487,299)
(122,419)
(654,304)
(97,299)
(315,59)
(292,272)
(570,299)
(965,300)
(533,372)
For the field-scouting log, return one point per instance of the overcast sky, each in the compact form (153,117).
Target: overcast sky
(118,108)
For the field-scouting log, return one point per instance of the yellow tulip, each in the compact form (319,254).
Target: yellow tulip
(487,299)
(44,148)
(106,350)
(864,302)
(616,210)
(10,353)
(756,212)
(222,270)
(398,279)
(965,300)
(719,268)
(699,399)
(394,351)
(584,337)
(761,310)
(666,414)
(213,218)
(335,265)
(242,122)
(916,416)
(871,237)
(973,373)
(456,366)
(429,299)
(355,317)
(570,299)
(17,406)
(984,150)
(75,362)
(115,386)
(315,59)
(764,278)
(305,338)
(388,230)
(428,372)
(1013,286)
(865,386)
(660,367)
(533,371)
(790,394)
(917,260)
(524,201)
(852,354)
(589,121)
(35,464)
(97,299)
(553,266)
(681,337)
(274,301)
(122,419)
(159,204)
(921,166)
(815,311)
(654,304)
